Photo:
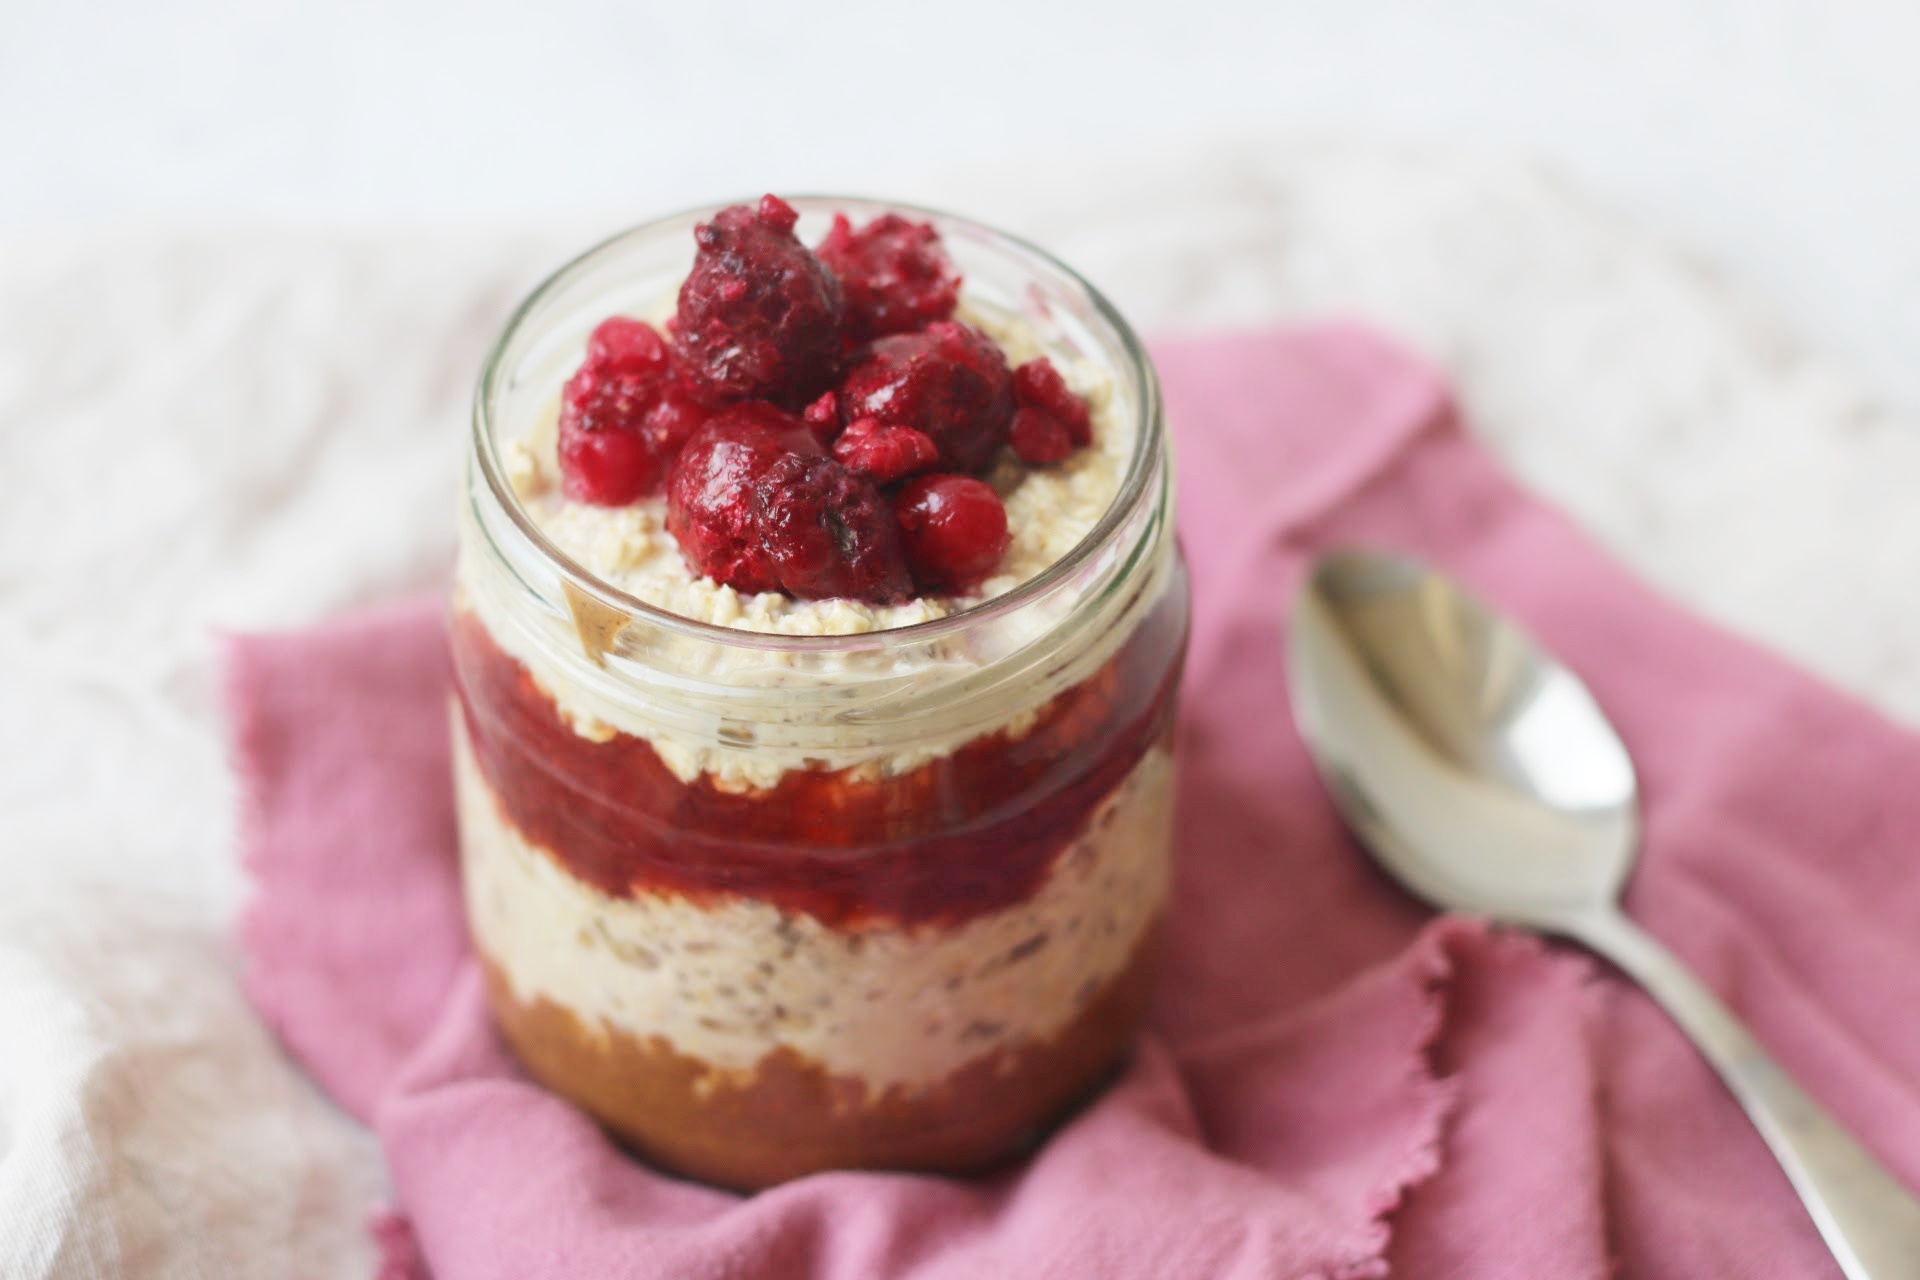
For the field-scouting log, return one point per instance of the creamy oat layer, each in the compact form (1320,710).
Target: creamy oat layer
(888,1006)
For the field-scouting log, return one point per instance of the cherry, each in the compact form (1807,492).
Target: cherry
(885,453)
(760,315)
(608,468)
(896,275)
(827,532)
(954,529)
(949,382)
(711,509)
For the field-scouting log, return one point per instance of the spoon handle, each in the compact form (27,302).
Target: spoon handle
(1870,1221)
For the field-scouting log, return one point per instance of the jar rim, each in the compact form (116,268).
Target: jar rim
(1136,485)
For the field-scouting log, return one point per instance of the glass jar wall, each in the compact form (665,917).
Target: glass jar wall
(764,903)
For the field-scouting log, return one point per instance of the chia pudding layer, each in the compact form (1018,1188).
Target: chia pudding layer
(752,959)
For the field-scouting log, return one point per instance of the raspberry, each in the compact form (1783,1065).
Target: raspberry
(885,453)
(710,492)
(954,529)
(828,532)
(759,315)
(624,414)
(1039,439)
(675,416)
(777,213)
(1038,385)
(896,276)
(625,344)
(823,417)
(948,381)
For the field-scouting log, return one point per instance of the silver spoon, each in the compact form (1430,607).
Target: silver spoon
(1481,775)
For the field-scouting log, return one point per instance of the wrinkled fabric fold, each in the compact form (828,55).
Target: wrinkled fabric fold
(1332,1082)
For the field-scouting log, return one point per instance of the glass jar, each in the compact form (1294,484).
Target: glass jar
(768,904)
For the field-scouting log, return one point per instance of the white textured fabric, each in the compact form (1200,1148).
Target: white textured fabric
(203,429)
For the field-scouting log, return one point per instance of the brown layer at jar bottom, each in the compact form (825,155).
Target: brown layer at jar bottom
(789,1117)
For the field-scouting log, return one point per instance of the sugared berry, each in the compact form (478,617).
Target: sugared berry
(885,453)
(624,414)
(1038,385)
(828,532)
(1038,438)
(710,492)
(954,529)
(896,275)
(760,315)
(948,381)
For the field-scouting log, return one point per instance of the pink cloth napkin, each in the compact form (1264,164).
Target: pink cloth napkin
(1333,1082)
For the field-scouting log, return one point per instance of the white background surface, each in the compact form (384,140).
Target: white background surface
(1776,135)
(210,425)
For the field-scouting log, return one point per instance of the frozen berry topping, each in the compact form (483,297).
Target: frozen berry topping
(608,468)
(896,274)
(954,528)
(819,421)
(760,315)
(827,531)
(1039,439)
(823,417)
(949,382)
(624,414)
(885,453)
(711,509)
(1038,385)
(619,342)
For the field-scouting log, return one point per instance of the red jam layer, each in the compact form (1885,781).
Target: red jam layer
(973,832)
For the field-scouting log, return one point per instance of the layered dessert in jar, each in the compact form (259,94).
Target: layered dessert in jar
(816,633)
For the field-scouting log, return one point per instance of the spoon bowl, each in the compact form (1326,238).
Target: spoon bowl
(1480,773)
(1478,770)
